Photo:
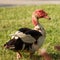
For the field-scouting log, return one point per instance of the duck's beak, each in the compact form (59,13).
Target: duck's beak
(47,17)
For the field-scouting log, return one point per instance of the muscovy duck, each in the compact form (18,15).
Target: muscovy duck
(26,39)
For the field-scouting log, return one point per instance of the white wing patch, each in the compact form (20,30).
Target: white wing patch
(16,37)
(25,38)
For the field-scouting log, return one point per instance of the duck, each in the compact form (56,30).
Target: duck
(26,39)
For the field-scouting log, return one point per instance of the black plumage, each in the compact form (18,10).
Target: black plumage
(34,33)
(18,43)
(24,30)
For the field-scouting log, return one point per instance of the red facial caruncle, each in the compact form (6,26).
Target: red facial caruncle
(39,14)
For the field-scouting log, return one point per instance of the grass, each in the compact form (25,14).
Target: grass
(13,18)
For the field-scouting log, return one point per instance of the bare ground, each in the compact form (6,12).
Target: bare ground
(27,2)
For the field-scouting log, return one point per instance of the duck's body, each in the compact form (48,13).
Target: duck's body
(35,36)
(29,39)
(24,30)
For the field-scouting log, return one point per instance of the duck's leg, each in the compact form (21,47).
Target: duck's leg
(57,47)
(31,55)
(19,56)
(44,54)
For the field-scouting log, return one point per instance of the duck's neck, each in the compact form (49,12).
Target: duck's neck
(35,22)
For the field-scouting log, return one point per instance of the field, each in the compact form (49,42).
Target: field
(13,18)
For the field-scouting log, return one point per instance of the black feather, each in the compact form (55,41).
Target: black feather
(18,44)
(24,30)
(34,34)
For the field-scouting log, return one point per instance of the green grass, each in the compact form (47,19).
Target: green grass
(13,18)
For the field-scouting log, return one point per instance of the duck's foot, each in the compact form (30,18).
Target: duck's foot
(19,56)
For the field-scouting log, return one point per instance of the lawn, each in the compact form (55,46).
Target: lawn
(13,18)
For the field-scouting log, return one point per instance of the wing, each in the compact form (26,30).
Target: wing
(25,37)
(34,33)
(24,30)
(30,36)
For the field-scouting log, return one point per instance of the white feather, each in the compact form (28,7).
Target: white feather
(16,37)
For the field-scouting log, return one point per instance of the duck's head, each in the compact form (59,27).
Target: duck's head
(39,14)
